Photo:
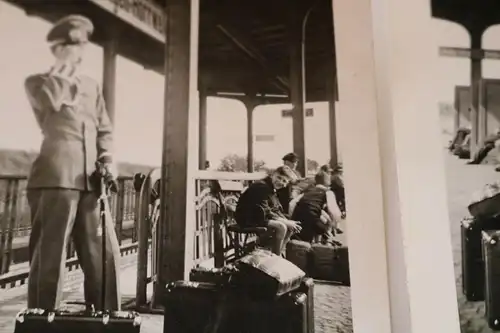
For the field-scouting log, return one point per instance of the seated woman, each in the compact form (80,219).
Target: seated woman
(259,206)
(317,210)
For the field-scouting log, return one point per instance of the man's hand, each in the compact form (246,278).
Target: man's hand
(110,179)
(68,58)
(104,170)
(294,226)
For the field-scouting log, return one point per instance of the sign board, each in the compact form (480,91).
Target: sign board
(264,138)
(462,52)
(288,113)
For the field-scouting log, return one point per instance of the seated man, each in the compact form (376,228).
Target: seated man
(311,207)
(337,185)
(488,145)
(290,191)
(459,137)
(259,206)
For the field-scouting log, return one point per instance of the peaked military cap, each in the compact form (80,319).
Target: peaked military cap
(72,29)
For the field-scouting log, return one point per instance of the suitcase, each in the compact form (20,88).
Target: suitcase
(213,276)
(286,314)
(472,259)
(330,263)
(84,321)
(219,276)
(193,307)
(491,254)
(299,253)
(264,274)
(307,288)
(486,202)
(65,320)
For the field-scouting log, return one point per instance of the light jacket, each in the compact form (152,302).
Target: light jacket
(76,131)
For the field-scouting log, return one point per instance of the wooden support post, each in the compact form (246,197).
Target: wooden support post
(390,200)
(177,212)
(109,74)
(334,153)
(202,159)
(250,102)
(456,105)
(475,86)
(331,97)
(297,86)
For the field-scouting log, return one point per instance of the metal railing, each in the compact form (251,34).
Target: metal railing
(211,239)
(15,226)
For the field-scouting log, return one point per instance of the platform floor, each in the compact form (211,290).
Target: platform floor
(332,303)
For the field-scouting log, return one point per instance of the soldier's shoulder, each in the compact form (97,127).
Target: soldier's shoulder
(89,80)
(34,80)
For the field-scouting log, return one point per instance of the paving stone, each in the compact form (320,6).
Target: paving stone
(332,303)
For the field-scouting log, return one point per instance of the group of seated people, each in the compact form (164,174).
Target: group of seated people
(460,145)
(275,203)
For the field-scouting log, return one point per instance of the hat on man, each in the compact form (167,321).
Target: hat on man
(338,168)
(72,29)
(291,157)
(326,168)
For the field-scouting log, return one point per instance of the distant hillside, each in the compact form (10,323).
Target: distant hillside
(18,162)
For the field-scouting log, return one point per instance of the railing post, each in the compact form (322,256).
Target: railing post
(142,186)
(120,204)
(7,229)
(218,240)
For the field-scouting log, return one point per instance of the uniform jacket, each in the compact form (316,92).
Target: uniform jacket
(76,131)
(258,204)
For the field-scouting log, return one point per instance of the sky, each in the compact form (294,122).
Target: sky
(139,117)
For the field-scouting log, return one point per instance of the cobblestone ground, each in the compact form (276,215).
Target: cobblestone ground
(332,309)
(332,303)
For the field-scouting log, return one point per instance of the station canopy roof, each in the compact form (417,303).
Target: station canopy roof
(243,45)
(473,15)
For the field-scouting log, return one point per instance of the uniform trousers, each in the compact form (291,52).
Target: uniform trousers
(57,216)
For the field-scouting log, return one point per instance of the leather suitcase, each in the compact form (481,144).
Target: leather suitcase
(330,263)
(84,321)
(491,255)
(286,314)
(219,276)
(299,253)
(307,288)
(486,202)
(214,276)
(472,260)
(193,307)
(264,274)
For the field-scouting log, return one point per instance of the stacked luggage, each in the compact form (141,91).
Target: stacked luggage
(321,261)
(262,292)
(481,252)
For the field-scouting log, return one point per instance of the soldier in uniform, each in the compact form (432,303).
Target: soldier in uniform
(77,133)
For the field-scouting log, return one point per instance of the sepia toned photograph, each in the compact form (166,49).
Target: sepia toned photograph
(216,166)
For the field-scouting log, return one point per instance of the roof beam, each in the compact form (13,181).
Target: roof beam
(247,46)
